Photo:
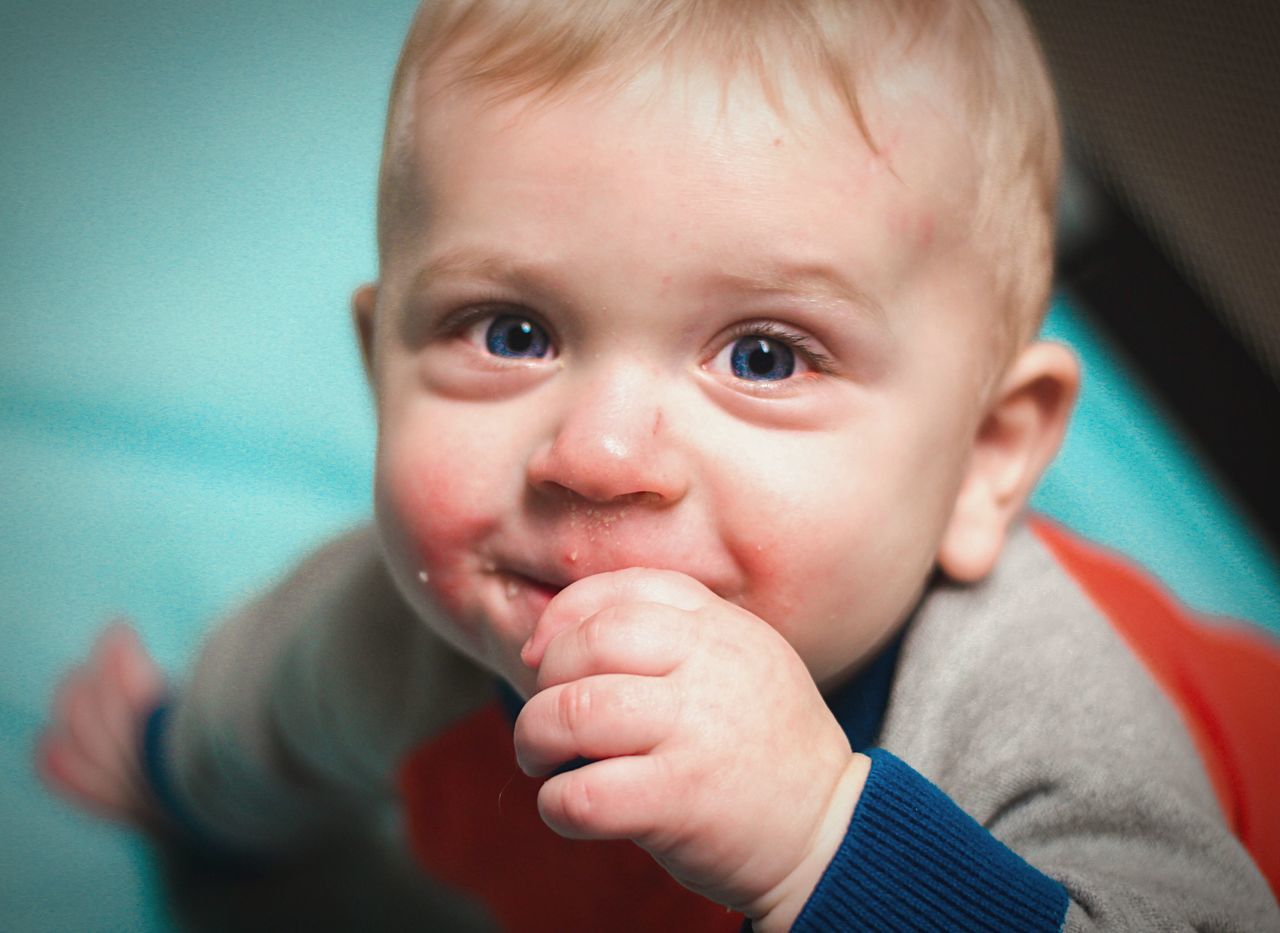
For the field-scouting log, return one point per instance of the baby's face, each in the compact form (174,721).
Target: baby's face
(633,334)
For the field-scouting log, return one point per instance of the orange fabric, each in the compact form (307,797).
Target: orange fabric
(1224,679)
(473,824)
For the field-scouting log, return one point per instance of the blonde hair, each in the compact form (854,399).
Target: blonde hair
(984,49)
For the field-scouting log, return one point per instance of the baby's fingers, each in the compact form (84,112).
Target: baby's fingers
(125,664)
(77,719)
(90,752)
(596,717)
(66,770)
(618,798)
(590,595)
(127,685)
(634,638)
(81,716)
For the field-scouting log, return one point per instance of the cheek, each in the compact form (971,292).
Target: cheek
(436,503)
(835,554)
(780,525)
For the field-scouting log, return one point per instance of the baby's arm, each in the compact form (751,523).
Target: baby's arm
(301,708)
(298,709)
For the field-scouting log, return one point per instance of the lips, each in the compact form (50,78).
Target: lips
(529,590)
(530,574)
(547,564)
(541,587)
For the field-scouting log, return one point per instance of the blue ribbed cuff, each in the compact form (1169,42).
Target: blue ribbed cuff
(194,837)
(913,860)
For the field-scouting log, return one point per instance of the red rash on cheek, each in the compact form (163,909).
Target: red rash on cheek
(436,513)
(773,561)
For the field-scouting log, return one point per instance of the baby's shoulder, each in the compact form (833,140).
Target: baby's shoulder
(1025,672)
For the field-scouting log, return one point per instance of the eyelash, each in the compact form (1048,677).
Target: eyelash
(821,362)
(458,323)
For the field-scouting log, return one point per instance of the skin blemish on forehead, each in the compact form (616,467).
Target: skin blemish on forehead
(917,227)
(886,143)
(926,227)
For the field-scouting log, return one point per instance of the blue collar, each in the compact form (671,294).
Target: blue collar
(859,705)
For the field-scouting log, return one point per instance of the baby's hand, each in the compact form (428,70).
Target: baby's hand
(89,753)
(710,745)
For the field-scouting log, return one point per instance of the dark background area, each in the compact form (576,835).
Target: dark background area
(1173,116)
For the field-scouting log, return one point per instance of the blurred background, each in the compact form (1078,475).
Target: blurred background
(186,203)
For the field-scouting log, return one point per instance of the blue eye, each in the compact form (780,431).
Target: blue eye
(516,337)
(761,359)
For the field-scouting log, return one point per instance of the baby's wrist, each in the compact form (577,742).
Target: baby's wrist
(172,815)
(780,908)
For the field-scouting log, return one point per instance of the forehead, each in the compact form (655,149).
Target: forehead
(647,167)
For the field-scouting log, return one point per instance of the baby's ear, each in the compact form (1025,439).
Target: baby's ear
(1019,435)
(363,301)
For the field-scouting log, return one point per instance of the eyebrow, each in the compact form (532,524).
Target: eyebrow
(771,278)
(468,264)
(804,278)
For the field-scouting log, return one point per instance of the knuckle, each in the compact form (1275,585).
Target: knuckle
(593,632)
(574,707)
(577,803)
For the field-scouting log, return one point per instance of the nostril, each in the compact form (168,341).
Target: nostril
(638,498)
(577,493)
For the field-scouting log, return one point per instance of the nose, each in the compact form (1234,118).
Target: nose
(611,442)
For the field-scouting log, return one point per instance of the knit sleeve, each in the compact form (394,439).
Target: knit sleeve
(913,860)
(301,706)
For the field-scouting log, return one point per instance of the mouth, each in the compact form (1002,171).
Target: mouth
(516,581)
(521,580)
(528,589)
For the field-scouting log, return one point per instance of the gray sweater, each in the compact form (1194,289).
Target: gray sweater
(1015,697)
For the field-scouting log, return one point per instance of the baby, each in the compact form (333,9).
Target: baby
(708,404)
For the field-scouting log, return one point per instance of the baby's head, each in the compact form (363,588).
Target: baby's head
(739,288)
